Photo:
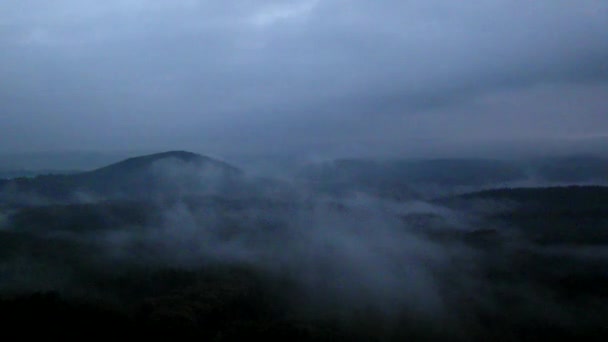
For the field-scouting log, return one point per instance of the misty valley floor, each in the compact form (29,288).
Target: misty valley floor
(181,244)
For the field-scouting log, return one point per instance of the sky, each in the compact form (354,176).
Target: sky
(316,77)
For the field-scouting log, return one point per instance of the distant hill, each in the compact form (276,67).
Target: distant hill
(161,174)
(60,160)
(180,172)
(571,169)
(11,174)
(440,171)
(137,164)
(402,178)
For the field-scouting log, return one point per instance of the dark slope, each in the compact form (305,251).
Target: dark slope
(166,173)
(556,198)
(571,215)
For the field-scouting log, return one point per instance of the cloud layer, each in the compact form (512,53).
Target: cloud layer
(312,75)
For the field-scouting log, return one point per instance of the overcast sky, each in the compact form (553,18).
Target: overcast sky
(320,76)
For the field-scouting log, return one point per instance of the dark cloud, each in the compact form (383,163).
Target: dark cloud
(305,74)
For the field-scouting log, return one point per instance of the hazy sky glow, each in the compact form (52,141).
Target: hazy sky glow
(311,75)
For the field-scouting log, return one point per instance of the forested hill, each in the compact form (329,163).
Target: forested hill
(162,173)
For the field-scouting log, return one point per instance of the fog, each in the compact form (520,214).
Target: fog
(426,168)
(436,261)
(344,253)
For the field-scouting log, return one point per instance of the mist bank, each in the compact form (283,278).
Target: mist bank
(178,173)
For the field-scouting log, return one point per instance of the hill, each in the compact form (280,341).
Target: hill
(161,174)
